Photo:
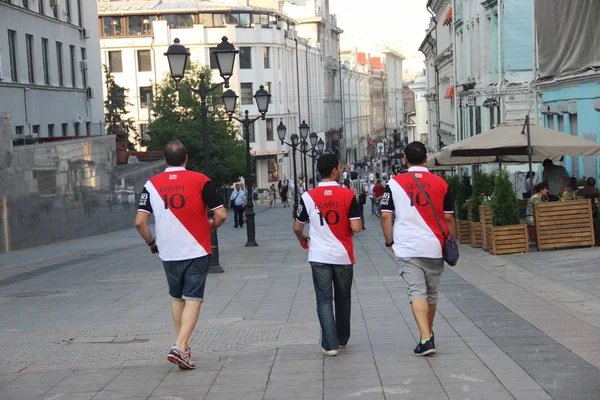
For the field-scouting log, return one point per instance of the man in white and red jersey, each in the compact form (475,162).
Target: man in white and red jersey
(179,200)
(416,238)
(333,214)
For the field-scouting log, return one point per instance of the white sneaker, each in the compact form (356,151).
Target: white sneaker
(343,346)
(330,353)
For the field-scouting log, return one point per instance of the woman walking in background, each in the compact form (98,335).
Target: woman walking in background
(272,196)
(284,194)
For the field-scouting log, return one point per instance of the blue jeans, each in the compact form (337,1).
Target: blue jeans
(335,330)
(372,205)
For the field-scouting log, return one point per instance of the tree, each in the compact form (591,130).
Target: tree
(504,203)
(178,115)
(483,185)
(115,108)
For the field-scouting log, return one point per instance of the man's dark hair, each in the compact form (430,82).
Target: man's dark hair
(547,162)
(539,187)
(353,175)
(590,181)
(416,153)
(326,164)
(175,153)
(378,180)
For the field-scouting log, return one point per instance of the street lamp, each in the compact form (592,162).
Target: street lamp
(294,140)
(315,153)
(177,55)
(304,129)
(262,98)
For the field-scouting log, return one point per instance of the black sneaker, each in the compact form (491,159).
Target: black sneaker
(432,338)
(425,349)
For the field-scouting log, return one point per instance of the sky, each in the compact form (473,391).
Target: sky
(400,22)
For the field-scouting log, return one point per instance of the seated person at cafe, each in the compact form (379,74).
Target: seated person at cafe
(572,186)
(589,190)
(540,194)
(556,177)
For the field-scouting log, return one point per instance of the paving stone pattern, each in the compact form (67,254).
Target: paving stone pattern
(90,319)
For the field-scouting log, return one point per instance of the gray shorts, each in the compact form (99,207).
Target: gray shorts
(422,276)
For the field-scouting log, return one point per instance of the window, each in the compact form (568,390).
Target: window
(269,122)
(59,64)
(268,89)
(36,130)
(111,26)
(50,130)
(241,20)
(65,130)
(213,20)
(143,130)
(144,61)
(88,128)
(45,61)
(180,20)
(144,92)
(266,56)
(84,79)
(245,57)
(55,12)
(79,16)
(12,54)
(41,8)
(261,20)
(115,61)
(139,25)
(72,54)
(76,126)
(246,97)
(251,132)
(30,66)
(68,10)
(19,130)
(26,4)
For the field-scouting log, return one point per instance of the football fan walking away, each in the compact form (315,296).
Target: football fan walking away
(180,200)
(333,215)
(419,199)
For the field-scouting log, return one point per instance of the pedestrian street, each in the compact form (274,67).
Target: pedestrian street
(90,319)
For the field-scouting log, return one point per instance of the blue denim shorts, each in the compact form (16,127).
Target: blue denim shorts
(187,278)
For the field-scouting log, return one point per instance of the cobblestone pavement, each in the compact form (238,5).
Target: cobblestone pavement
(89,319)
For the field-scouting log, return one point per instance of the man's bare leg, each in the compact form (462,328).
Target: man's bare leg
(431,315)
(177,310)
(189,317)
(420,310)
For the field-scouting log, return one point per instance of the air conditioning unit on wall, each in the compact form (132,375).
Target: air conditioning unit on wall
(54,3)
(90,92)
(86,34)
(83,64)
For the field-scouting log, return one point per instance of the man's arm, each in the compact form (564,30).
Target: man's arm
(141,224)
(387,211)
(354,216)
(219,217)
(213,202)
(450,223)
(301,219)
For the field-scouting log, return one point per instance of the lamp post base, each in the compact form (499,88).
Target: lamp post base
(213,262)
(250,227)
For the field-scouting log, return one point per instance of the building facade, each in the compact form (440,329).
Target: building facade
(272,53)
(494,63)
(568,77)
(50,70)
(419,88)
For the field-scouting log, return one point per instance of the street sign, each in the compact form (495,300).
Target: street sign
(280,159)
(380,147)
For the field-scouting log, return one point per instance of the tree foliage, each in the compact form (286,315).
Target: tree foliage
(504,203)
(177,113)
(115,110)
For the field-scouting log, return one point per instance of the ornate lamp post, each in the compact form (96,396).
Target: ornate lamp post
(294,139)
(262,98)
(225,53)
(304,129)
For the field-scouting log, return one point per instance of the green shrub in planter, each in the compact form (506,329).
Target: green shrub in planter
(504,202)
(462,194)
(483,185)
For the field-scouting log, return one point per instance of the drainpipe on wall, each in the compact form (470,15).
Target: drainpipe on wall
(500,61)
(535,69)
(437,81)
(456,108)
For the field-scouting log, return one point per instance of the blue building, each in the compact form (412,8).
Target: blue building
(568,75)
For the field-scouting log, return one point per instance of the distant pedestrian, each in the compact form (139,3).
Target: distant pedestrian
(271,196)
(237,201)
(333,215)
(416,238)
(180,200)
(284,193)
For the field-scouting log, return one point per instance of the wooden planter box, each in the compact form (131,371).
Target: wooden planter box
(510,239)
(486,220)
(562,224)
(475,234)
(463,231)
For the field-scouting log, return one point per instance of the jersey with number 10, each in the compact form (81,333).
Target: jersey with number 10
(329,208)
(179,200)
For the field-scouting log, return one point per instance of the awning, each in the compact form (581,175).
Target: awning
(449,93)
(448,19)
(266,155)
